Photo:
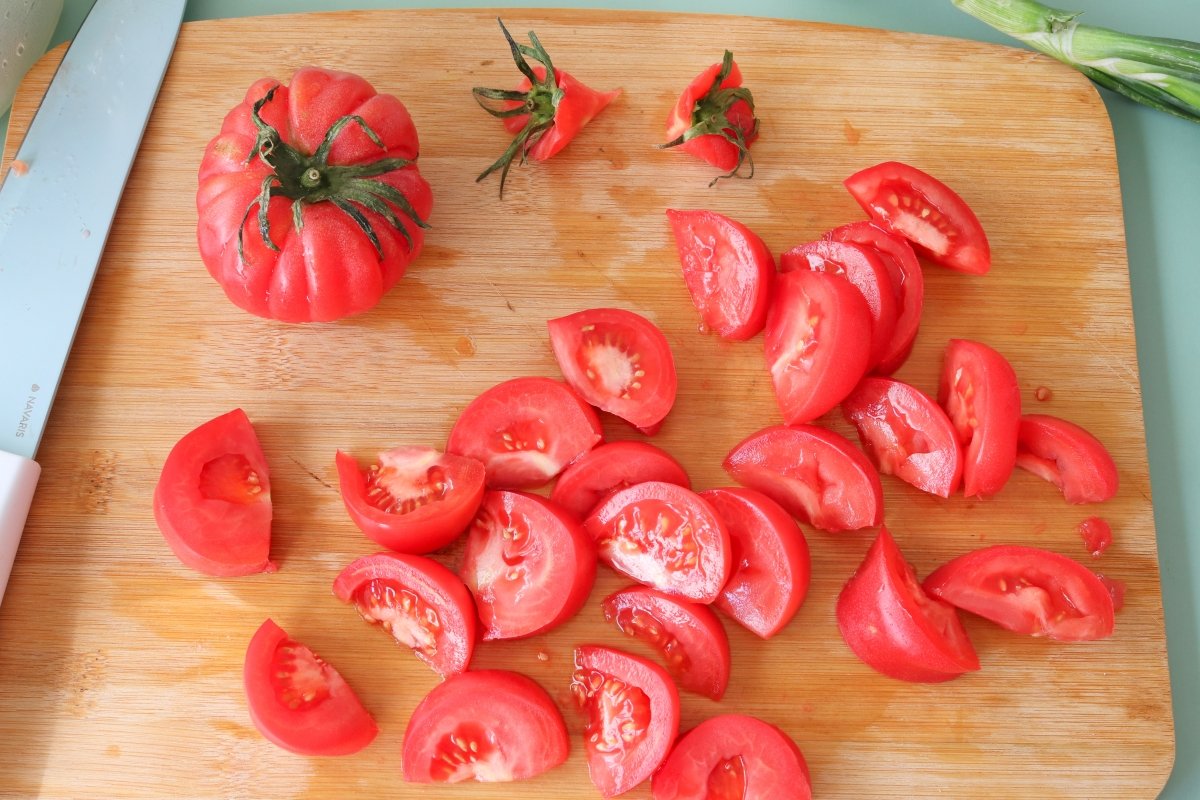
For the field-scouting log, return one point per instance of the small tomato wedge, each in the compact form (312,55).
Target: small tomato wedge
(529,564)
(734,757)
(619,362)
(415,500)
(771,564)
(663,536)
(1027,590)
(906,434)
(728,271)
(817,343)
(925,211)
(423,605)
(632,716)
(897,629)
(1097,535)
(486,725)
(610,466)
(213,499)
(714,119)
(300,702)
(816,474)
(525,431)
(688,636)
(1067,456)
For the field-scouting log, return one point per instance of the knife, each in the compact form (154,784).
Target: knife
(55,214)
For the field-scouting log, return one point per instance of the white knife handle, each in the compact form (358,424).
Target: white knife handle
(18,479)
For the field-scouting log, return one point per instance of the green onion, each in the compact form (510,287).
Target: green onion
(1161,73)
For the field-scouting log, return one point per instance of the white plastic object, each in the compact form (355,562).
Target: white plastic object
(25,29)
(18,479)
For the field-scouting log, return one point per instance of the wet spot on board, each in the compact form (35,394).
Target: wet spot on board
(853,135)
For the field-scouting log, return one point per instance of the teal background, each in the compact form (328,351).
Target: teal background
(1159,159)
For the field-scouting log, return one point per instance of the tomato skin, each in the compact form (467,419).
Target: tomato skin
(579,105)
(768,763)
(614,465)
(711,148)
(516,730)
(212,501)
(1068,456)
(1027,590)
(333,723)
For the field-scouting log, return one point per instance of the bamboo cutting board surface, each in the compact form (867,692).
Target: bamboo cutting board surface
(122,669)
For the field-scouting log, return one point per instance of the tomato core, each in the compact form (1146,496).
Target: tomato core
(915,217)
(608,362)
(469,752)
(647,628)
(230,478)
(401,612)
(649,534)
(618,715)
(394,492)
(299,677)
(727,781)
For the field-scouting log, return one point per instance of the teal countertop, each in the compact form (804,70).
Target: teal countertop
(1159,158)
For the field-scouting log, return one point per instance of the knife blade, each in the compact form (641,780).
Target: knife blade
(55,215)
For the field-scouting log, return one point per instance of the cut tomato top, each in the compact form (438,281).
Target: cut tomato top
(719,115)
(578,105)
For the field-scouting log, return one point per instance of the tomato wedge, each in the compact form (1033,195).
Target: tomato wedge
(897,629)
(734,757)
(619,362)
(1066,455)
(415,500)
(610,466)
(728,271)
(814,473)
(529,565)
(422,604)
(906,434)
(632,711)
(688,636)
(298,701)
(525,431)
(1027,590)
(817,344)
(663,536)
(485,725)
(213,499)
(771,565)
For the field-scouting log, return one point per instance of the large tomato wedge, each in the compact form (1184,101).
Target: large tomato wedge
(733,757)
(1068,456)
(415,500)
(980,393)
(422,604)
(1027,590)
(484,725)
(714,118)
(632,711)
(728,271)
(688,636)
(610,466)
(529,565)
(525,431)
(814,473)
(213,499)
(890,623)
(664,536)
(906,434)
(300,702)
(619,362)
(817,344)
(771,565)
(925,211)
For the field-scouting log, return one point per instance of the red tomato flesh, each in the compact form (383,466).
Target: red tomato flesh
(1067,456)
(610,466)
(1097,535)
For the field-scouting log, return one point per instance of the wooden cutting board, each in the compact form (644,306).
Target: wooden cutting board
(122,669)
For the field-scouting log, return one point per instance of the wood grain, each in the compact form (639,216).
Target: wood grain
(122,668)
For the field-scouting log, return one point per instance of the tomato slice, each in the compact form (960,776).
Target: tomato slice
(771,565)
(817,343)
(486,725)
(415,500)
(734,757)
(906,434)
(300,702)
(1068,456)
(663,536)
(632,711)
(925,211)
(422,604)
(714,148)
(728,271)
(1027,590)
(897,629)
(814,473)
(980,394)
(618,361)
(525,431)
(688,636)
(578,105)
(213,499)
(613,466)
(529,565)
